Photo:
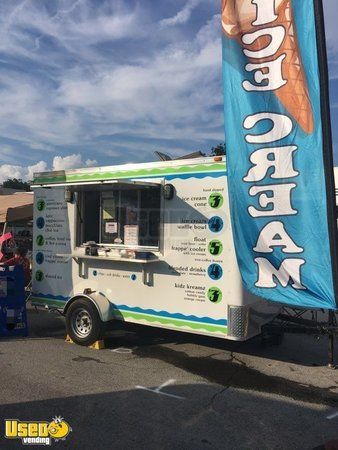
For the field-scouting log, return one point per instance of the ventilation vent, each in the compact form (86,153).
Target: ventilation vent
(238,321)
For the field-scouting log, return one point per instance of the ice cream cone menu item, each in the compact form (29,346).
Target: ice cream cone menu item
(238,19)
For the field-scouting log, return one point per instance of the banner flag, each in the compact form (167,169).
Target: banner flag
(279,150)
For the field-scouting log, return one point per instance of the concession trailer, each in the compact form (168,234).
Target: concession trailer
(145,243)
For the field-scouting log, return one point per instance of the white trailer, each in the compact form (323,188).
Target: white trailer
(145,243)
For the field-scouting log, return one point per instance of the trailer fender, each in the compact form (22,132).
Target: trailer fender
(101,303)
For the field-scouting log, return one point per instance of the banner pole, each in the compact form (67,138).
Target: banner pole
(327,141)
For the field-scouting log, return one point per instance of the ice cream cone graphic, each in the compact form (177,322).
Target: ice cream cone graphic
(237,19)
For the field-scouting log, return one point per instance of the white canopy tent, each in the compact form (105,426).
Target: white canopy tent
(16,207)
(16,210)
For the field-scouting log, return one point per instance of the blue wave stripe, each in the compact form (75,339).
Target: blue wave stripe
(197,175)
(184,176)
(152,312)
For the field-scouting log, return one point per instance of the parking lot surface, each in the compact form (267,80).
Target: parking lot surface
(152,388)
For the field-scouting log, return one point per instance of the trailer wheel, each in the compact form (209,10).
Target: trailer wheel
(83,323)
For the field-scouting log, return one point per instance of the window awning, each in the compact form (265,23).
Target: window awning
(92,184)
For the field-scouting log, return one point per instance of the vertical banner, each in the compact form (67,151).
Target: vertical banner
(279,150)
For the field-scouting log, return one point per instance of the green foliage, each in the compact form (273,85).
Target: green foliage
(14,183)
(219,150)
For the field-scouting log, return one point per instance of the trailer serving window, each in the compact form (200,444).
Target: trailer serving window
(122,215)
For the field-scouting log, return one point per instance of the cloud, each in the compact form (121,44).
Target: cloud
(160,89)
(112,79)
(11,171)
(54,44)
(24,173)
(67,24)
(74,161)
(331,30)
(330,9)
(171,93)
(182,16)
(91,162)
(41,166)
(71,162)
(164,95)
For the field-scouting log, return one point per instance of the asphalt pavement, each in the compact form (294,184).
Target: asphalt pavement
(157,389)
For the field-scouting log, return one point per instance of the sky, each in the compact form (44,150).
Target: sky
(103,82)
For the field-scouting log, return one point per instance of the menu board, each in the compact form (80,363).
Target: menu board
(111,227)
(131,234)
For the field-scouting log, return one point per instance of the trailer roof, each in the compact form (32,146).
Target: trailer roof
(156,169)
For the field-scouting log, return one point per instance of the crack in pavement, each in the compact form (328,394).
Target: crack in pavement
(235,373)
(232,358)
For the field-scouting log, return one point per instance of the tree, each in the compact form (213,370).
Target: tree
(15,183)
(219,150)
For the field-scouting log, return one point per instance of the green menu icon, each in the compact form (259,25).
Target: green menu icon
(216,200)
(215,247)
(215,295)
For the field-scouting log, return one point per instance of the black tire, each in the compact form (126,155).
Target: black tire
(83,323)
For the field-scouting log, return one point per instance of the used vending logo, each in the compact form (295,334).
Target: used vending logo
(37,433)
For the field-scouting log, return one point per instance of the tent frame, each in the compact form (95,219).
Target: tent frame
(291,320)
